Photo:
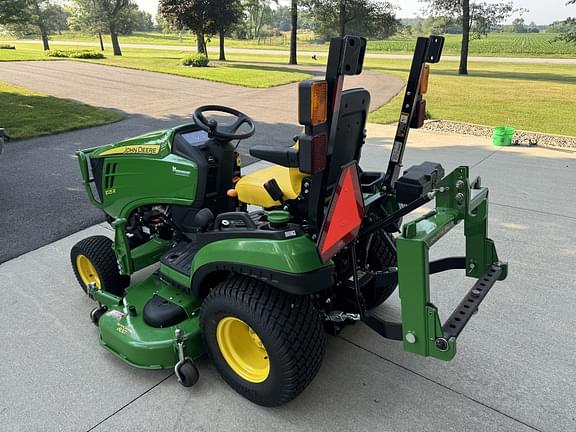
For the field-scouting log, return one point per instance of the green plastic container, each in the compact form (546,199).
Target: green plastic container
(503,135)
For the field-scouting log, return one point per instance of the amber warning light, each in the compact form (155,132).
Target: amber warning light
(313,102)
(345,214)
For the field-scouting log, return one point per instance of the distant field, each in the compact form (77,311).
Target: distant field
(496,44)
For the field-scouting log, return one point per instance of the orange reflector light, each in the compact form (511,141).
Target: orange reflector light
(345,214)
(318,103)
(232,193)
(424,76)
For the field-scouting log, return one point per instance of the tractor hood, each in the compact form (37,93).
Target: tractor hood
(154,144)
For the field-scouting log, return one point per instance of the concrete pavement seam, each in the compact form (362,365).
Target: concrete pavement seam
(533,211)
(485,158)
(129,403)
(442,385)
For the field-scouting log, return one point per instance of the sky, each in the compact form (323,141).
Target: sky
(541,12)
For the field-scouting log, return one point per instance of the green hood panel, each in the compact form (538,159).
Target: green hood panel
(152,144)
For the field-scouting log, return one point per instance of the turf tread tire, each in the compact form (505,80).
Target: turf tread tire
(99,250)
(288,325)
(380,257)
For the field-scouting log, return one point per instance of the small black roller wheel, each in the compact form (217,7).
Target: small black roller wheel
(187,373)
(94,261)
(96,314)
(267,345)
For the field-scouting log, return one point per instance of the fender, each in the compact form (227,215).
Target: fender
(292,265)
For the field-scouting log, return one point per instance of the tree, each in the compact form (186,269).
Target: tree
(294,33)
(191,14)
(259,14)
(519,25)
(41,17)
(568,28)
(225,14)
(111,12)
(98,16)
(14,12)
(84,18)
(370,18)
(477,19)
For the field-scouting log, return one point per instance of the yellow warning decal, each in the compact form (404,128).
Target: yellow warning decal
(133,149)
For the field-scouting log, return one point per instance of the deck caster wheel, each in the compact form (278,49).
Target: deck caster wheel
(187,373)
(96,314)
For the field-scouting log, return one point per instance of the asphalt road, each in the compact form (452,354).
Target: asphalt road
(515,368)
(41,194)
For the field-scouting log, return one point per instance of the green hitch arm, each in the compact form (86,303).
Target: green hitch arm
(456,201)
(83,156)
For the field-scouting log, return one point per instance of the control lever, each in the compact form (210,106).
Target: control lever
(273,189)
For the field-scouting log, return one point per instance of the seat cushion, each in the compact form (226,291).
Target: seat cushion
(251,190)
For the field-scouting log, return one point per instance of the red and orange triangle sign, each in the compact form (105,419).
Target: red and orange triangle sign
(345,214)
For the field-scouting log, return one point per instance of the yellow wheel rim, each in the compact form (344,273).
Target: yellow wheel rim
(87,271)
(243,350)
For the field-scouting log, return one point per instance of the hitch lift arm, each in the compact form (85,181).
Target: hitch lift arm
(421,329)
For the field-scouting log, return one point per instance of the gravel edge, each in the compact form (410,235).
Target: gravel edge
(559,142)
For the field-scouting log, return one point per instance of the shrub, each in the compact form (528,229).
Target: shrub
(196,60)
(57,53)
(86,54)
(6,46)
(81,54)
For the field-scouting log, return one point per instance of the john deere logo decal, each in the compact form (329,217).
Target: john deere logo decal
(133,149)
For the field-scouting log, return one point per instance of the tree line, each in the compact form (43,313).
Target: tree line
(248,19)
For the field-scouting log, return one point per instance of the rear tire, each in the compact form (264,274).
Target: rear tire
(380,257)
(267,345)
(93,260)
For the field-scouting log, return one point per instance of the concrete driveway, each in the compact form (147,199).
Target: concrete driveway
(515,370)
(41,195)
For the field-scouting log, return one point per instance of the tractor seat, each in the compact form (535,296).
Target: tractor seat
(250,188)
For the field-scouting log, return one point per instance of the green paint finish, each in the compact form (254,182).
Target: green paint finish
(297,255)
(144,180)
(149,253)
(175,275)
(135,342)
(456,201)
(121,247)
(140,171)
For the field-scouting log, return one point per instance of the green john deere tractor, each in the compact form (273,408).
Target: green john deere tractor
(322,245)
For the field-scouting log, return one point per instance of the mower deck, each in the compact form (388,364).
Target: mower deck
(126,334)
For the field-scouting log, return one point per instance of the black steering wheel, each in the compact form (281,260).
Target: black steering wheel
(228,132)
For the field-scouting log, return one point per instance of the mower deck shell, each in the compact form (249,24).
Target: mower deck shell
(126,335)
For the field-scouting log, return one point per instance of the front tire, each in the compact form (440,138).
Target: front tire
(94,261)
(267,345)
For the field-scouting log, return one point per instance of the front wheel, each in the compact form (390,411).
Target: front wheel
(268,345)
(94,261)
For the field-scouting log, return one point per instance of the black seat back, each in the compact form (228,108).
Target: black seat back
(350,133)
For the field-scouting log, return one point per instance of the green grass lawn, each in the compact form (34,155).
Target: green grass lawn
(540,98)
(26,114)
(536,97)
(168,61)
(496,44)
